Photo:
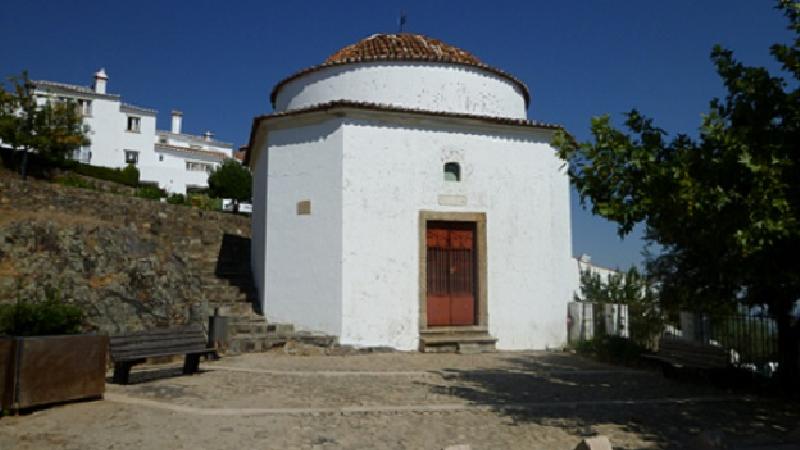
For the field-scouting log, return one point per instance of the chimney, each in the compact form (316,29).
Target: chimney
(100,79)
(177,118)
(208,135)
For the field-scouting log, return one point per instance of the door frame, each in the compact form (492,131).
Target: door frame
(481,293)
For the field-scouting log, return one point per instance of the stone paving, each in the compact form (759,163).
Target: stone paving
(525,400)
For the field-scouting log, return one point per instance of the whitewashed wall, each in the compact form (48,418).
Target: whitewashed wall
(301,282)
(428,86)
(391,173)
(171,173)
(106,125)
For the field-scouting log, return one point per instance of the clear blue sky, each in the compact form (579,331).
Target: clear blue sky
(218,61)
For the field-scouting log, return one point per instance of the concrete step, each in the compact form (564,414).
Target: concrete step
(230,308)
(453,340)
(248,327)
(319,340)
(280,329)
(253,343)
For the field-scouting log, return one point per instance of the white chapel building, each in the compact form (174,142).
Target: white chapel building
(403,198)
(121,134)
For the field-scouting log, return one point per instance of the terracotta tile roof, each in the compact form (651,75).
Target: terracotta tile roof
(347,104)
(401,47)
(240,154)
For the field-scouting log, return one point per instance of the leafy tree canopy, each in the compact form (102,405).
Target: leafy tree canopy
(631,288)
(230,180)
(53,129)
(725,208)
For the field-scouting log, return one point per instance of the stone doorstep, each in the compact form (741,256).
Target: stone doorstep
(454,340)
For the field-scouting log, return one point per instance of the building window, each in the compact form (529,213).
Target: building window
(134,124)
(160,158)
(82,154)
(85,107)
(162,140)
(195,166)
(131,157)
(452,171)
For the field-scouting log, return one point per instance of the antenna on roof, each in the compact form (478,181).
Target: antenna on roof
(401,21)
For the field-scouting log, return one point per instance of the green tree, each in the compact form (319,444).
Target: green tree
(230,180)
(723,208)
(630,288)
(53,130)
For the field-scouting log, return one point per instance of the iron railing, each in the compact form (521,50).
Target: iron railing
(751,340)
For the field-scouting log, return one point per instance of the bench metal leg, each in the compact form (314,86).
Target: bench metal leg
(191,363)
(122,371)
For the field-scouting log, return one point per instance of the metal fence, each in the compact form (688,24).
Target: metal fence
(585,320)
(751,340)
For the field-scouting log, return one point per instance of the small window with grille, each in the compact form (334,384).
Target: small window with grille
(452,171)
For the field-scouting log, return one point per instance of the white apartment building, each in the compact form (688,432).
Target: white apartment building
(122,134)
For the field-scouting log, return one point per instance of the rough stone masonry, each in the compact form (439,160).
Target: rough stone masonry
(129,263)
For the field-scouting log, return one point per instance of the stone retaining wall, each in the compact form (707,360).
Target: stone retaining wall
(129,263)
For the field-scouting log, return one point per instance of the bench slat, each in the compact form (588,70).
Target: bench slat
(146,353)
(203,351)
(158,342)
(121,340)
(172,341)
(177,346)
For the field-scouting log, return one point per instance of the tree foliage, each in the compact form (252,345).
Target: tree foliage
(53,129)
(230,180)
(632,288)
(725,207)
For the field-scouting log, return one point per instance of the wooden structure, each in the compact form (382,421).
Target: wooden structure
(451,274)
(131,349)
(41,370)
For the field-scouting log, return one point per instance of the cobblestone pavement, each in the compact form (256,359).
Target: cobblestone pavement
(525,400)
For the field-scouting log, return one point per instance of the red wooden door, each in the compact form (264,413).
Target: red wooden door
(451,273)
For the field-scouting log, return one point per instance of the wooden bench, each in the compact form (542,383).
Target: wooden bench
(131,349)
(680,353)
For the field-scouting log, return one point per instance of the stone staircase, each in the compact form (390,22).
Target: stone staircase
(456,340)
(232,300)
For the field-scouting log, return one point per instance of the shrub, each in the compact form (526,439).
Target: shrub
(128,176)
(73,180)
(150,191)
(205,202)
(176,199)
(230,180)
(612,349)
(41,318)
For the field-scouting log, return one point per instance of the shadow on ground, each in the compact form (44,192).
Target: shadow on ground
(581,396)
(155,374)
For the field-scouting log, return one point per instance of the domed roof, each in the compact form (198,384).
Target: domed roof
(402,47)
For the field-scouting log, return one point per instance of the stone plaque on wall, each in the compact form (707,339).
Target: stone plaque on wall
(452,200)
(304,208)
